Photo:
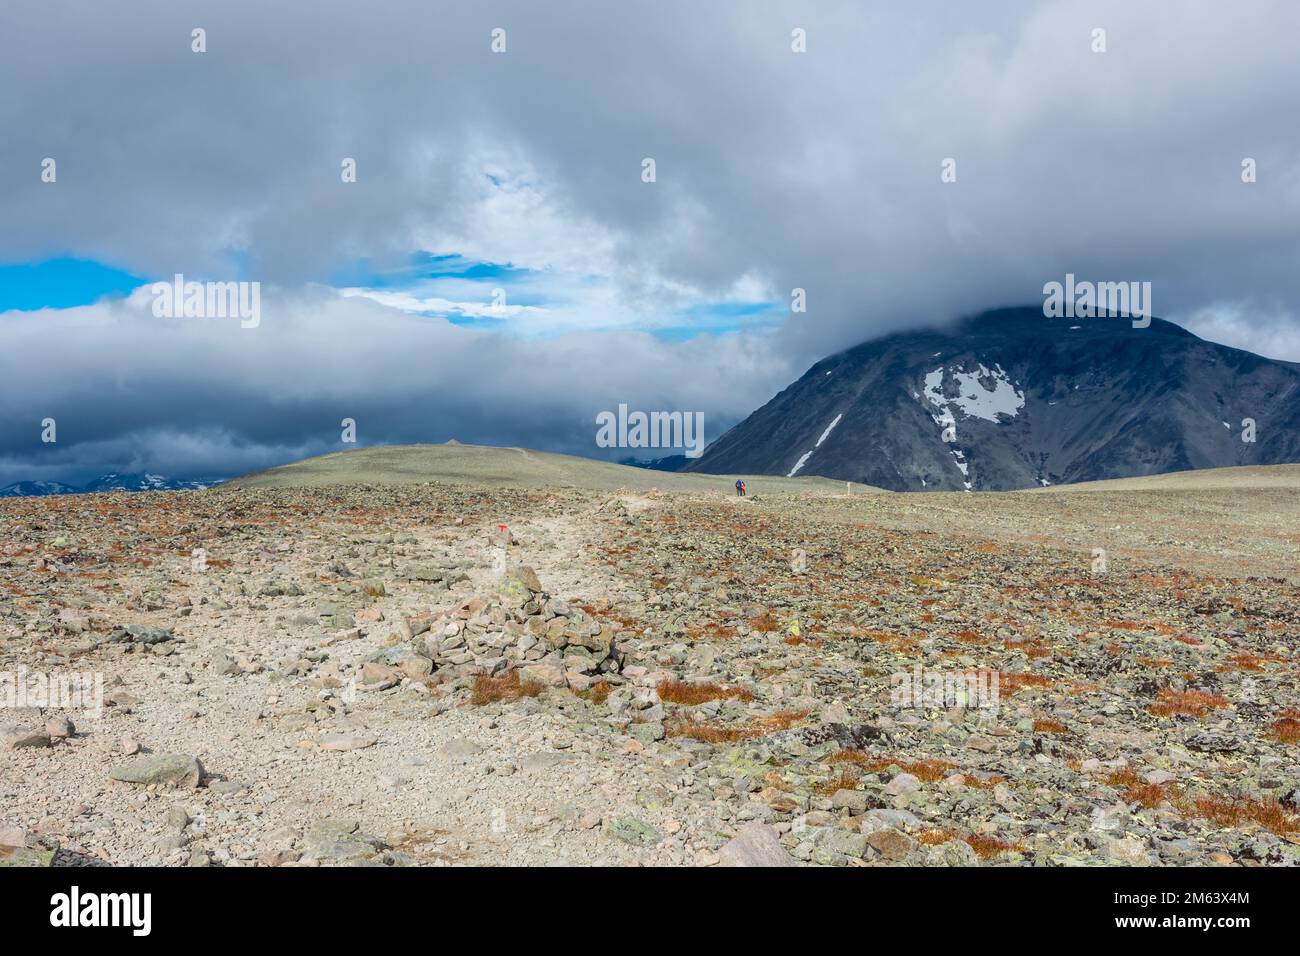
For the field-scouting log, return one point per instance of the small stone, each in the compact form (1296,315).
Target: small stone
(891,844)
(142,634)
(60,727)
(901,784)
(755,844)
(1128,851)
(836,713)
(174,840)
(223,663)
(528,577)
(37,856)
(635,832)
(647,733)
(1107,819)
(462,748)
(846,843)
(339,840)
(874,820)
(16,737)
(177,818)
(952,853)
(1210,741)
(544,673)
(855,801)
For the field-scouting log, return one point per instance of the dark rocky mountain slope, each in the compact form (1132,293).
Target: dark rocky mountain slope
(1011,399)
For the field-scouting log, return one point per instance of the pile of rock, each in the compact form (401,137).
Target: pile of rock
(520,627)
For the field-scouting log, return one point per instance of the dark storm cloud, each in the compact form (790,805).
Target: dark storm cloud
(775,170)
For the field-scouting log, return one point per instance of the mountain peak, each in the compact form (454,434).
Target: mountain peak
(1009,399)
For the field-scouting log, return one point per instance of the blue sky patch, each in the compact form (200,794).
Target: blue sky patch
(422,267)
(61,284)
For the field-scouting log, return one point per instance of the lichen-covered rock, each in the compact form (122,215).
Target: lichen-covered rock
(174,770)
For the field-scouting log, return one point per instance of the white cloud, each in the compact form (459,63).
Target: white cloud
(1250,326)
(180,396)
(407,302)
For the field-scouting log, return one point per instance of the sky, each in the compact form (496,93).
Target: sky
(500,270)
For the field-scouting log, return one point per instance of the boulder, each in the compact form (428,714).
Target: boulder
(175,770)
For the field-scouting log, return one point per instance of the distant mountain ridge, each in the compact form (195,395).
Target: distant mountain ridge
(109,482)
(667,463)
(1011,399)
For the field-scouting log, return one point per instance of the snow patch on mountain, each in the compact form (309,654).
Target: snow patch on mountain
(808,454)
(963,466)
(986,394)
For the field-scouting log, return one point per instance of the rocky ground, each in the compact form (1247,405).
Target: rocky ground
(447,674)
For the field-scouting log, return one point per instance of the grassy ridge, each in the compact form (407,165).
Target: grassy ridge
(524,468)
(512,467)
